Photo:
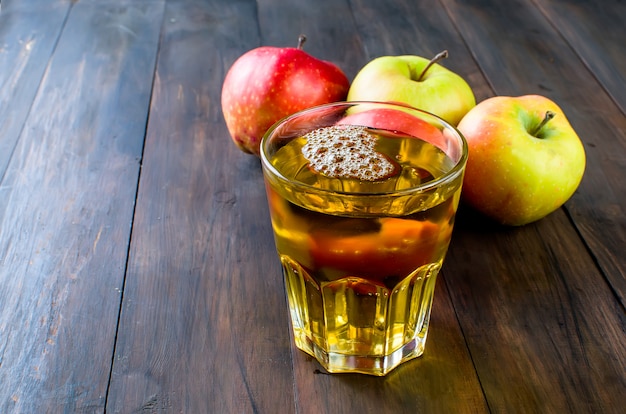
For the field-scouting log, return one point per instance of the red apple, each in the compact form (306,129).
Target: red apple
(525,159)
(399,121)
(268,83)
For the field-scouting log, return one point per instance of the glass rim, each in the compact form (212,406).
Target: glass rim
(449,175)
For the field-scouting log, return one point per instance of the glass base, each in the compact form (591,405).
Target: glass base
(363,364)
(355,325)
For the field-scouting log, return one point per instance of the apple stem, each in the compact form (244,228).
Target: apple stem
(548,116)
(301,40)
(439,56)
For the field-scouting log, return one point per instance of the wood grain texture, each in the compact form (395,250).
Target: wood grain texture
(204,325)
(546,320)
(66,208)
(596,33)
(137,266)
(28,39)
(11,6)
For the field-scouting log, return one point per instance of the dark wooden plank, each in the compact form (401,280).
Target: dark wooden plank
(10,6)
(535,308)
(351,33)
(66,205)
(27,38)
(596,33)
(204,321)
(521,53)
(536,313)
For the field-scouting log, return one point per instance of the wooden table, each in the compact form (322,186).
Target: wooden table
(137,265)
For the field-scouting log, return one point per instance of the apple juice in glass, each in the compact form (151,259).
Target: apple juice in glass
(362,198)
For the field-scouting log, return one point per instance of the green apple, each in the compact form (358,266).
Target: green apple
(416,81)
(525,159)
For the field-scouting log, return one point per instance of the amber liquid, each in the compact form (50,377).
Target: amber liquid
(360,270)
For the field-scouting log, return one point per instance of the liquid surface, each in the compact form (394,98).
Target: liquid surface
(384,161)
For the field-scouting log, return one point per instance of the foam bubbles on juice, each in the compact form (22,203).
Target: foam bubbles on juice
(347,151)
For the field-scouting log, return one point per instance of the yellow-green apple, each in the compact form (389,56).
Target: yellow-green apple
(268,83)
(525,159)
(416,81)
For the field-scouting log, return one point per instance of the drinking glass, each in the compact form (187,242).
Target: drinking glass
(362,198)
